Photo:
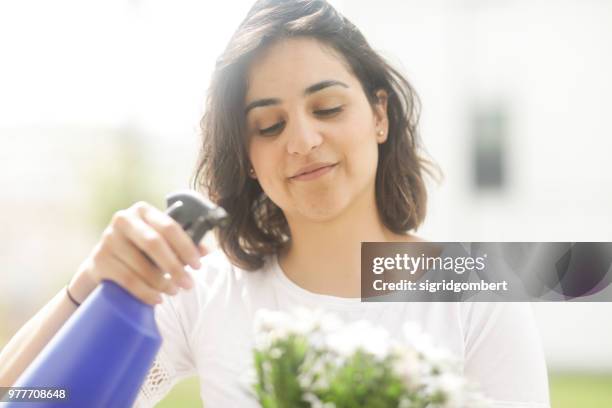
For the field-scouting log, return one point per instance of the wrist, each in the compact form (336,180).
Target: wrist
(81,285)
(75,302)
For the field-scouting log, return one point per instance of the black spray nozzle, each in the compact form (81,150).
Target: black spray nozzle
(195,213)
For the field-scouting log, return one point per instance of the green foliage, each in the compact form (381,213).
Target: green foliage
(566,390)
(364,382)
(277,368)
(286,375)
(184,394)
(580,390)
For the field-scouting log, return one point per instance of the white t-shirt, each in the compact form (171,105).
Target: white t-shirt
(207,331)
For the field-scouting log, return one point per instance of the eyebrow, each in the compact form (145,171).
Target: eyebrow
(308,91)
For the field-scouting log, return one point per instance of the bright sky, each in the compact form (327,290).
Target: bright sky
(111,61)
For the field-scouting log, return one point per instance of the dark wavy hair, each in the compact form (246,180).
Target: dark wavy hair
(257,227)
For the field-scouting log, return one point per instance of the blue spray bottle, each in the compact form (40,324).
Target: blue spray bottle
(102,354)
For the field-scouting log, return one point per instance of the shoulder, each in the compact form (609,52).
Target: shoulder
(217,269)
(219,288)
(504,354)
(219,282)
(216,265)
(480,317)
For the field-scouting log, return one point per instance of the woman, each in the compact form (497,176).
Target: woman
(310,145)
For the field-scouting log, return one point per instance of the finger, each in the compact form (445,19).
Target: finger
(118,272)
(174,234)
(153,245)
(138,263)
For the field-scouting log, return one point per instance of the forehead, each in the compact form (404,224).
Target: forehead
(289,66)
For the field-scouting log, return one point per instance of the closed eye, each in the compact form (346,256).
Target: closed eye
(278,127)
(272,129)
(329,112)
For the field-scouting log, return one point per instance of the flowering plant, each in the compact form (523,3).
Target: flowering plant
(311,359)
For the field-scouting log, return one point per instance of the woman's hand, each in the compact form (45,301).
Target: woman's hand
(140,246)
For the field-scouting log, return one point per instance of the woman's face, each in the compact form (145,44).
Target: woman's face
(312,133)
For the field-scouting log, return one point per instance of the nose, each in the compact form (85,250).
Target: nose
(304,136)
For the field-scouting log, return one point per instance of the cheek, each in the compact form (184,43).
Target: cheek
(260,153)
(361,148)
(361,125)
(264,157)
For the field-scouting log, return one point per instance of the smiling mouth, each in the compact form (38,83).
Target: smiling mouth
(313,174)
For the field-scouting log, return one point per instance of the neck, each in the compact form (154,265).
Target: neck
(325,257)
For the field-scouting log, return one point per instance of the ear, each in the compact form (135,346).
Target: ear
(380,116)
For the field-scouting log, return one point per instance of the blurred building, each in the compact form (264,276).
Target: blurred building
(515,97)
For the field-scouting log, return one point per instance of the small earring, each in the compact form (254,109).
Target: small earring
(381,132)
(252,171)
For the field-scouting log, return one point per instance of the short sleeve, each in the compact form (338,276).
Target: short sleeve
(503,353)
(174,359)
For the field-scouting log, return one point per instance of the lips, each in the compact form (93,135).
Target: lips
(311,168)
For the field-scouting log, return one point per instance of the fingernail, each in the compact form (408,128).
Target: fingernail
(186,281)
(195,263)
(158,299)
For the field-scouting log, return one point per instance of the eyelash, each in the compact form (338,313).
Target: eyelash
(280,125)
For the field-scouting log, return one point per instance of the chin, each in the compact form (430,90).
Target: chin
(322,209)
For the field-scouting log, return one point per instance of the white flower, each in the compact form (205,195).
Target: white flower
(360,335)
(307,320)
(301,322)
(438,357)
(408,366)
(270,326)
(426,369)
(266,320)
(451,386)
